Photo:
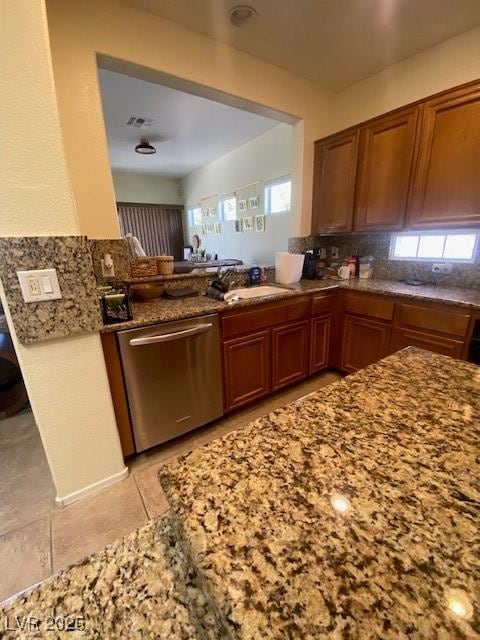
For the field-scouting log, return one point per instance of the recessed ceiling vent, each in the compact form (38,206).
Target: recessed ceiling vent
(140,122)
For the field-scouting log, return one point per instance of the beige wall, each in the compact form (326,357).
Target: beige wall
(143,187)
(80,29)
(66,379)
(263,158)
(450,63)
(77,31)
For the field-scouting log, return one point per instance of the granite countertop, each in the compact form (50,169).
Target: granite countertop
(162,310)
(254,548)
(400,441)
(141,586)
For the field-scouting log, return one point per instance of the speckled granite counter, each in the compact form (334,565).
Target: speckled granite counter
(400,440)
(141,586)
(162,310)
(424,293)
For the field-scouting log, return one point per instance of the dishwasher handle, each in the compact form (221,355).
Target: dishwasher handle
(169,337)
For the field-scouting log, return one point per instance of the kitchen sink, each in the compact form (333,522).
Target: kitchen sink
(254,292)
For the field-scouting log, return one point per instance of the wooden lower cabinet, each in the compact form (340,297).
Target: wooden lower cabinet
(246,368)
(320,343)
(364,341)
(402,338)
(290,347)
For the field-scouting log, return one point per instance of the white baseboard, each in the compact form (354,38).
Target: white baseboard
(92,488)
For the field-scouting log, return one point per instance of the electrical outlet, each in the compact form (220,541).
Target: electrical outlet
(39,285)
(442,267)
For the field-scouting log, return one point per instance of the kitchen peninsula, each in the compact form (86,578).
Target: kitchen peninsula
(351,513)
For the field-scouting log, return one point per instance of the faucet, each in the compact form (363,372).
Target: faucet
(226,277)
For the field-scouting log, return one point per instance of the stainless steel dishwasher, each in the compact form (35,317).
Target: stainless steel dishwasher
(173,378)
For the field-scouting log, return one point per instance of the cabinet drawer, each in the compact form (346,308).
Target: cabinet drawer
(322,304)
(449,322)
(402,338)
(370,306)
(235,323)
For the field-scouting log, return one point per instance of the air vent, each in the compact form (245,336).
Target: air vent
(140,122)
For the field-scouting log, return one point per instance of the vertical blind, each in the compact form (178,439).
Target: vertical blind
(158,227)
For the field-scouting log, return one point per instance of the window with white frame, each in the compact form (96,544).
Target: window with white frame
(278,195)
(195,216)
(228,208)
(437,246)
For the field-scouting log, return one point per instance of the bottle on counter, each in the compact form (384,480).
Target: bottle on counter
(352,265)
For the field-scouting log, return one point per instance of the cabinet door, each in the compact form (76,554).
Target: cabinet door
(290,353)
(387,150)
(446,186)
(246,368)
(364,341)
(320,343)
(402,338)
(335,168)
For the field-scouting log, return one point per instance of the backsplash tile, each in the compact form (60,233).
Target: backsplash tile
(378,245)
(78,311)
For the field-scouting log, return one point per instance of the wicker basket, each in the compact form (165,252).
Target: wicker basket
(165,265)
(143,267)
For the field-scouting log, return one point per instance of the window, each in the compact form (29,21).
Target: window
(278,195)
(228,208)
(195,216)
(438,246)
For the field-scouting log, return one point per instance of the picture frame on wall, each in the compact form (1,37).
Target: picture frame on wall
(260,223)
(248,223)
(238,226)
(253,202)
(242,205)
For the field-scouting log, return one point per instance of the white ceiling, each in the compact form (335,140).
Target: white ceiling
(332,42)
(188,130)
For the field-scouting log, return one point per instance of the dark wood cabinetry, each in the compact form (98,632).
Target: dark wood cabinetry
(386,160)
(290,350)
(365,341)
(246,368)
(320,343)
(446,186)
(415,167)
(272,345)
(335,168)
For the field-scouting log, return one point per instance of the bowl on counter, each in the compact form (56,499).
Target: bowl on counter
(147,290)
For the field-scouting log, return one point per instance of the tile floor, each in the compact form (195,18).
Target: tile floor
(37,539)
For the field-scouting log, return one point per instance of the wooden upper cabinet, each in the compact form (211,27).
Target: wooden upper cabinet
(447,186)
(386,160)
(335,169)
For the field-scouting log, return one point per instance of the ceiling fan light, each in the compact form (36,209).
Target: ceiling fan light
(145,148)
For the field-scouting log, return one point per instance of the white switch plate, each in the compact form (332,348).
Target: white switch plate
(39,285)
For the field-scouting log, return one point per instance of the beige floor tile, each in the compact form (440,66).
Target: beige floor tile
(88,525)
(153,497)
(26,487)
(24,557)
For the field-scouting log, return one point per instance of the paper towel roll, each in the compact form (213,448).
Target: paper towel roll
(288,267)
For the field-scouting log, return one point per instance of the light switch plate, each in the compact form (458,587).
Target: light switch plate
(39,285)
